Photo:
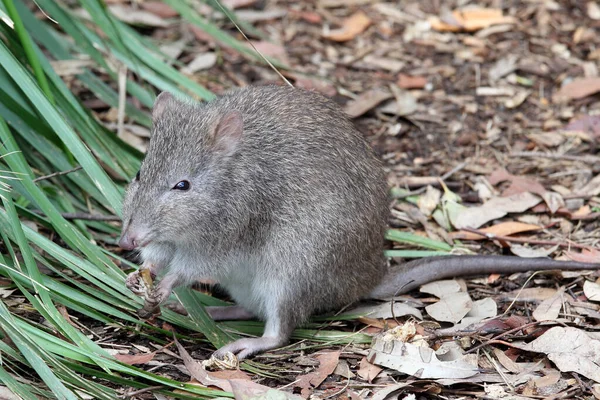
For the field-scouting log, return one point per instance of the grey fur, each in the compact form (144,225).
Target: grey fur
(291,223)
(289,216)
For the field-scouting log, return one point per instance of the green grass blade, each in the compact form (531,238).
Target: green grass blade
(64,131)
(410,238)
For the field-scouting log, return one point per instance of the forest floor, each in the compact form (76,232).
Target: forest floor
(501,104)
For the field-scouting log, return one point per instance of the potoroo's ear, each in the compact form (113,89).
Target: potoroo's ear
(160,104)
(228,133)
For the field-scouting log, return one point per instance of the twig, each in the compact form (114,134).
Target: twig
(585,217)
(493,236)
(454,170)
(86,216)
(41,178)
(91,217)
(495,338)
(144,390)
(537,154)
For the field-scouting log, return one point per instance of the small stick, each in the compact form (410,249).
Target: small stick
(91,217)
(137,392)
(87,216)
(492,236)
(537,154)
(41,178)
(453,171)
(496,338)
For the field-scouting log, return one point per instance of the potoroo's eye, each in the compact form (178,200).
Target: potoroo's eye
(182,185)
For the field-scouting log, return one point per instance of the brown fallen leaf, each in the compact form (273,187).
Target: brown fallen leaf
(270,49)
(233,4)
(368,371)
(570,349)
(133,359)
(577,89)
(319,85)
(134,16)
(159,8)
(366,101)
(309,16)
(531,252)
(519,184)
(242,388)
(411,82)
(352,26)
(327,363)
(549,309)
(501,229)
(589,124)
(586,256)
(470,20)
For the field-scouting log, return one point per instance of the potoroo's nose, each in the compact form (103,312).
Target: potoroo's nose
(128,240)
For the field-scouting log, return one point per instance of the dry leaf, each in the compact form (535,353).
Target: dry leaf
(577,89)
(242,388)
(547,139)
(343,370)
(262,15)
(133,359)
(588,124)
(404,104)
(351,27)
(421,362)
(549,309)
(385,63)
(429,201)
(592,188)
(368,371)
(451,308)
(593,10)
(501,229)
(384,393)
(411,82)
(480,310)
(202,61)
(587,256)
(134,16)
(528,294)
(327,363)
(591,290)
(571,349)
(470,20)
(441,288)
(495,208)
(528,252)
(233,4)
(503,67)
(384,310)
(507,362)
(269,49)
(159,8)
(365,102)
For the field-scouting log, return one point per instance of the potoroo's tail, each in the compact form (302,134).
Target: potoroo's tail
(411,275)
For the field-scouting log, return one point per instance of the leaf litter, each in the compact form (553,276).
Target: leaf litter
(446,95)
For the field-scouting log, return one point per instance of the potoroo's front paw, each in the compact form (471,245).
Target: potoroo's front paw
(244,348)
(135,283)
